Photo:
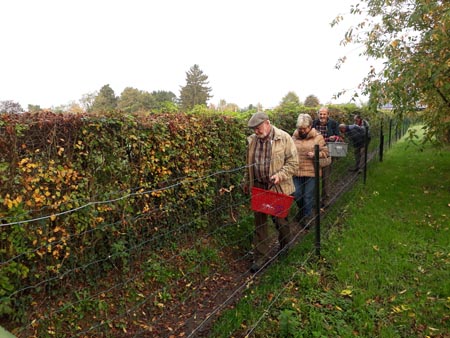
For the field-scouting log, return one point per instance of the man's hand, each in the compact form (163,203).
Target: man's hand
(274,179)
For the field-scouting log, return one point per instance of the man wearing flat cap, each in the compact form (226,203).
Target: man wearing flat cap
(271,162)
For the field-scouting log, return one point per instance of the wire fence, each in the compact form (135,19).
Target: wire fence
(172,282)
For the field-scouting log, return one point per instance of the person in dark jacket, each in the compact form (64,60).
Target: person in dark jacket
(328,128)
(359,121)
(356,136)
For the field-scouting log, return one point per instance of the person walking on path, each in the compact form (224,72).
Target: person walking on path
(330,131)
(271,164)
(356,135)
(305,138)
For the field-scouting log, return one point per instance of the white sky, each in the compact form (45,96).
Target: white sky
(253,51)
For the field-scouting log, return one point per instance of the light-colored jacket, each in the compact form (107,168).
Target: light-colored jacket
(283,161)
(306,164)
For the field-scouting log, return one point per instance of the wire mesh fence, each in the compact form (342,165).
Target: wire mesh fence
(156,278)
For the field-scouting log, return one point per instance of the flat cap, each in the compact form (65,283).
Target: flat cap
(257,119)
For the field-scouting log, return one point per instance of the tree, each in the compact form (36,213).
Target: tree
(10,107)
(105,101)
(290,98)
(164,101)
(311,101)
(289,103)
(412,38)
(87,101)
(34,108)
(224,106)
(196,90)
(133,100)
(74,107)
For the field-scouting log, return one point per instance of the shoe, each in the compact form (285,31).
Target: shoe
(255,267)
(283,251)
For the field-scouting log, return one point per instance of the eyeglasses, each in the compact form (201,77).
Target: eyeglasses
(304,129)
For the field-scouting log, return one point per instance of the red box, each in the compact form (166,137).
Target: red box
(270,202)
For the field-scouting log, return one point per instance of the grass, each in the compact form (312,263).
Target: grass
(384,270)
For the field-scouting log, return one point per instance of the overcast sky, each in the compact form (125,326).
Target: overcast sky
(253,51)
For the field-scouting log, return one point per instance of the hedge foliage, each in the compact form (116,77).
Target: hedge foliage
(78,191)
(74,188)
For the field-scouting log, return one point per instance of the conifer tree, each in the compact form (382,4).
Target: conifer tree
(196,90)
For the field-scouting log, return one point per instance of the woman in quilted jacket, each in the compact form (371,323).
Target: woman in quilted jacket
(305,138)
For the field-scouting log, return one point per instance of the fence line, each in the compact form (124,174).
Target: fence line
(95,295)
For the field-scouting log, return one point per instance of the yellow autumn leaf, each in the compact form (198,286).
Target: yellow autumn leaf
(396,309)
(346,292)
(394,43)
(376,248)
(52,218)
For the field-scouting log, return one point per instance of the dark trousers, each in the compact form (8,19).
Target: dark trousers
(359,158)
(304,194)
(326,176)
(261,239)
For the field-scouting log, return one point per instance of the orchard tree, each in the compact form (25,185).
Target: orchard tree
(412,38)
(10,107)
(311,101)
(105,101)
(196,90)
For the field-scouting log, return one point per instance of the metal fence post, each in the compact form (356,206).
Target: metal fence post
(390,133)
(381,141)
(366,145)
(317,197)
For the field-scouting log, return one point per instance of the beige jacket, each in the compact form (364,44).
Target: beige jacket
(306,164)
(283,162)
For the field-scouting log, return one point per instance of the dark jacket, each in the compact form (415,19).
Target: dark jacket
(332,128)
(365,125)
(355,135)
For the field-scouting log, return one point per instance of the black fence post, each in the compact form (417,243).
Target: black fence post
(317,197)
(366,145)
(381,141)
(390,133)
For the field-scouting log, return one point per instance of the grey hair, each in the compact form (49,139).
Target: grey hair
(325,108)
(304,120)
